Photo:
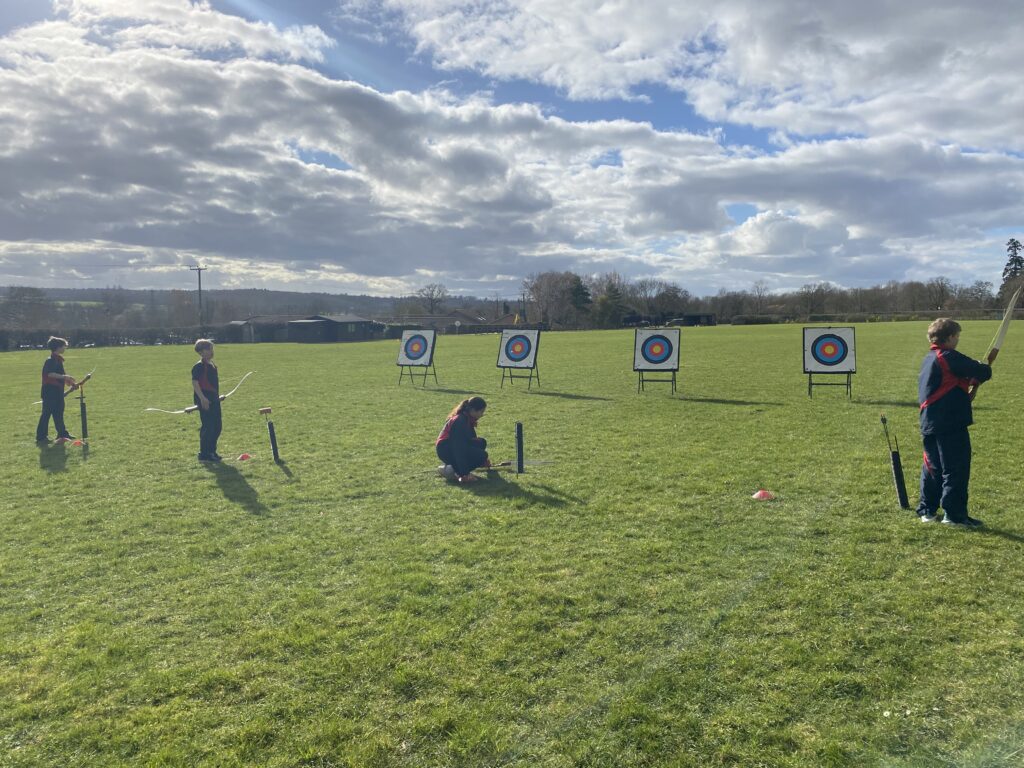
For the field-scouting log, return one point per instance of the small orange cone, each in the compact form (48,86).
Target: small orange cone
(244,457)
(763,495)
(77,443)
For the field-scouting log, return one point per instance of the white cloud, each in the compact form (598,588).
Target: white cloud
(161,133)
(940,69)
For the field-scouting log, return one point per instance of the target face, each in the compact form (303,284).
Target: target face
(518,349)
(417,348)
(829,350)
(656,350)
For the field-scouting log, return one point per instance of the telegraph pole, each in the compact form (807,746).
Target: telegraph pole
(199,273)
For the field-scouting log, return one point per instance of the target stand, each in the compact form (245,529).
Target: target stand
(507,373)
(517,351)
(644,378)
(848,383)
(411,372)
(656,351)
(830,352)
(417,352)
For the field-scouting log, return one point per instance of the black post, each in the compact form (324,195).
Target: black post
(85,420)
(273,441)
(519,448)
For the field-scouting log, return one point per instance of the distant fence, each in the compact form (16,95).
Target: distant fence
(91,337)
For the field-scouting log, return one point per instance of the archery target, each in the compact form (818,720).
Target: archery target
(518,349)
(417,348)
(656,349)
(829,350)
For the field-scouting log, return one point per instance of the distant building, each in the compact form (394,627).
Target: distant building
(301,328)
(331,328)
(695,318)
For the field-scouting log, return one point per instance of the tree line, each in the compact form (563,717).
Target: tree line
(557,299)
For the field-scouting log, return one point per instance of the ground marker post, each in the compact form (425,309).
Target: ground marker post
(897,467)
(519,448)
(273,435)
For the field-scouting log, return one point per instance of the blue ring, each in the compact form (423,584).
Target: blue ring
(651,357)
(518,357)
(416,355)
(821,357)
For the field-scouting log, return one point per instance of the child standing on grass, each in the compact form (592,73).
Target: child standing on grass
(458,446)
(206,394)
(52,391)
(946,377)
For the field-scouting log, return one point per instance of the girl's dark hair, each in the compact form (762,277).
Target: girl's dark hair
(472,404)
(55,342)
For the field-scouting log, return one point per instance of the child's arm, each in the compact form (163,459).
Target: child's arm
(204,403)
(966,368)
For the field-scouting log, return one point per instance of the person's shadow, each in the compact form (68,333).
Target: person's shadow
(53,458)
(496,484)
(235,487)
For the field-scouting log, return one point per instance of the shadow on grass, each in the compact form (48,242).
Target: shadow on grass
(1002,534)
(498,485)
(722,401)
(892,403)
(566,396)
(283,466)
(53,458)
(235,487)
(447,391)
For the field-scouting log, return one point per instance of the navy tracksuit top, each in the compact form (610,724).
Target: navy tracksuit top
(946,375)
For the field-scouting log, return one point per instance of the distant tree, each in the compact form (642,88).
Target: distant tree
(610,307)
(579,296)
(557,297)
(940,290)
(29,307)
(670,302)
(1013,272)
(759,295)
(433,297)
(812,297)
(115,301)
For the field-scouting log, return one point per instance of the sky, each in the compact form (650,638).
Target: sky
(376,146)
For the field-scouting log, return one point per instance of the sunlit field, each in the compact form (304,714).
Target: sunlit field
(628,604)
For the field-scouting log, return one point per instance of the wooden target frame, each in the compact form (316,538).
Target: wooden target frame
(656,350)
(830,351)
(517,351)
(417,351)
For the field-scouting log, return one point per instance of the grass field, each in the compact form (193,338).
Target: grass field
(628,605)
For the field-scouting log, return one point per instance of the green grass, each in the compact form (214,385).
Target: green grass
(629,605)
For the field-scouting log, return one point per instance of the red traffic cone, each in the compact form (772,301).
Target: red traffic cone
(244,457)
(763,495)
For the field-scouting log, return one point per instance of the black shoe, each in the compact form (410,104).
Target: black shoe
(204,457)
(43,440)
(216,456)
(66,436)
(967,522)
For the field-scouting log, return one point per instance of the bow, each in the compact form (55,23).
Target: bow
(76,386)
(79,384)
(192,408)
(997,342)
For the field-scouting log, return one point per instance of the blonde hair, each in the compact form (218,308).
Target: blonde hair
(202,344)
(942,330)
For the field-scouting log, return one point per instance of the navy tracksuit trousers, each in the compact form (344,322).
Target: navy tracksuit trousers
(53,406)
(210,425)
(945,474)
